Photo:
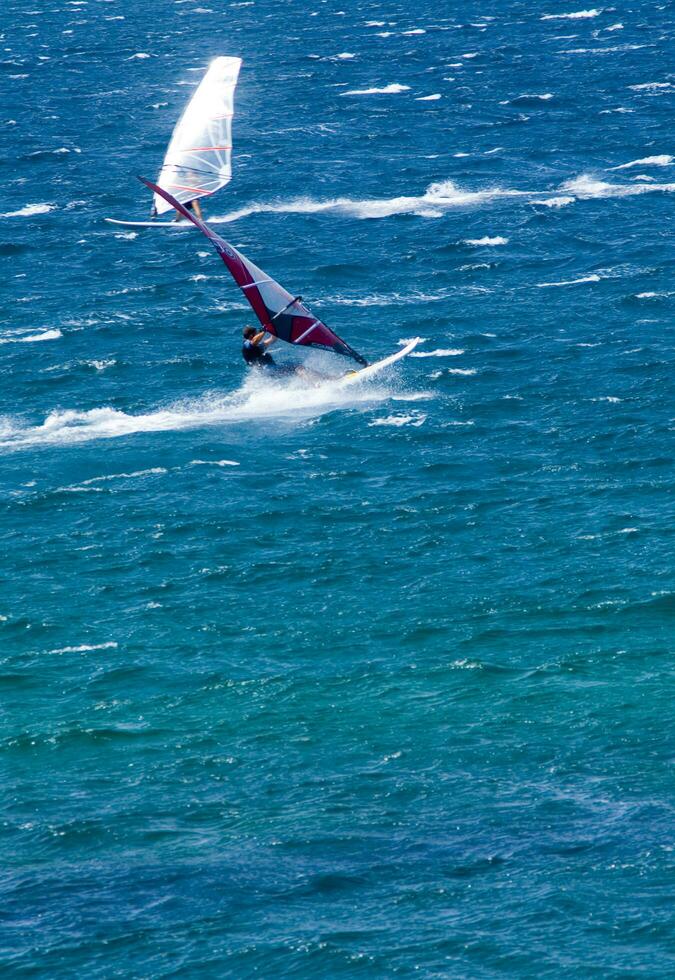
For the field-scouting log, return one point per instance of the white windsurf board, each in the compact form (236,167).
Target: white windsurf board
(367,372)
(150,224)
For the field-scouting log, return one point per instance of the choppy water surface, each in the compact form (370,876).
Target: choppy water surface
(340,683)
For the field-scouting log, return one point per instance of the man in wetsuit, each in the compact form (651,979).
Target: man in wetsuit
(253,349)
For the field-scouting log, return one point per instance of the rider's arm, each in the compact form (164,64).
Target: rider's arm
(263,338)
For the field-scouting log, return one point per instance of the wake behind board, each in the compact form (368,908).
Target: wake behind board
(149,224)
(363,374)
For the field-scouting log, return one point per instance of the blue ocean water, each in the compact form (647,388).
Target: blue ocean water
(314,683)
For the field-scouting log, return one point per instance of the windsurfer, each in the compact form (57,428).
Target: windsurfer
(194,207)
(255,354)
(254,348)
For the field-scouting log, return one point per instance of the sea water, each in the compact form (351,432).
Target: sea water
(340,683)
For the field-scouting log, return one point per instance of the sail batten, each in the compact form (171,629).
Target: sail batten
(200,150)
(279,312)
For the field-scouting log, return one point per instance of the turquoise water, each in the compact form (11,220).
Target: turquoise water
(321,683)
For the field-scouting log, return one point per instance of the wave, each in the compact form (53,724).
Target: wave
(528,99)
(392,89)
(555,202)
(429,98)
(32,338)
(400,420)
(86,648)
(497,240)
(571,282)
(585,187)
(387,299)
(28,210)
(651,86)
(660,160)
(438,197)
(442,196)
(214,462)
(576,15)
(258,398)
(450,352)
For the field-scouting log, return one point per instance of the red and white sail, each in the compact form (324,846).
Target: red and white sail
(279,312)
(198,161)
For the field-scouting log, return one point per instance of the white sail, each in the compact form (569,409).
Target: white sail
(198,160)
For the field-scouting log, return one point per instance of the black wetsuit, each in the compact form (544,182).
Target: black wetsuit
(255,355)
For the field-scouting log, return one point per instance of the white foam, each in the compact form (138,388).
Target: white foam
(440,352)
(259,399)
(660,160)
(437,198)
(345,56)
(586,187)
(607,50)
(141,56)
(651,86)
(465,372)
(392,89)
(546,97)
(400,420)
(32,338)
(497,240)
(153,471)
(429,98)
(28,210)
(214,462)
(86,648)
(555,202)
(614,27)
(576,15)
(571,282)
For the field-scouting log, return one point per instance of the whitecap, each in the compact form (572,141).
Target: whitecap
(214,462)
(587,187)
(527,96)
(400,420)
(429,98)
(659,160)
(555,202)
(86,648)
(571,282)
(497,240)
(33,338)
(28,210)
(440,352)
(438,197)
(392,89)
(575,15)
(153,471)
(651,86)
(141,56)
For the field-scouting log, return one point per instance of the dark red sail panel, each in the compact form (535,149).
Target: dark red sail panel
(279,312)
